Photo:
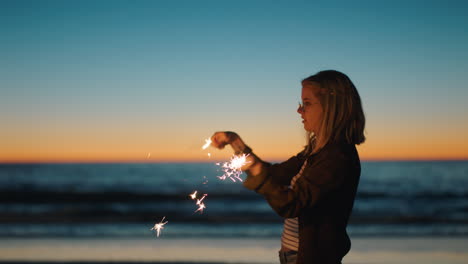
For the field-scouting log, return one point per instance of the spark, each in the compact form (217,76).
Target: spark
(200,208)
(158,226)
(209,155)
(193,195)
(199,202)
(232,169)
(149,155)
(207,143)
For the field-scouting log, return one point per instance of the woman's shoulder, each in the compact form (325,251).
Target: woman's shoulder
(333,160)
(337,152)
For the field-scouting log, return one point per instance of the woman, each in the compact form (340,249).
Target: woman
(313,191)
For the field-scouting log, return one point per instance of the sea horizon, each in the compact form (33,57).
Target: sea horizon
(398,198)
(210,160)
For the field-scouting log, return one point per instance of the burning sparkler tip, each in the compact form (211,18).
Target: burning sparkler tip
(193,195)
(207,143)
(158,226)
(233,168)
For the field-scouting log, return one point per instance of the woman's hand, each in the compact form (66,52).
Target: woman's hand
(221,139)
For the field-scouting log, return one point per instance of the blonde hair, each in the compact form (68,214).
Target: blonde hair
(343,117)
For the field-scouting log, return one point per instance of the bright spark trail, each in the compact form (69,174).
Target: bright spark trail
(158,226)
(193,195)
(199,202)
(232,169)
(207,143)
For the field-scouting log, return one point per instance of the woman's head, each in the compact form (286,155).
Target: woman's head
(332,108)
(311,109)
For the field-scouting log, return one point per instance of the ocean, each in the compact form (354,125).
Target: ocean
(420,198)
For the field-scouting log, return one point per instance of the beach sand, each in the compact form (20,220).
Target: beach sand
(364,250)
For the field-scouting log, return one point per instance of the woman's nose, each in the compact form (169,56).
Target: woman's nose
(300,109)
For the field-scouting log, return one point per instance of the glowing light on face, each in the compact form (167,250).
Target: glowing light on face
(158,226)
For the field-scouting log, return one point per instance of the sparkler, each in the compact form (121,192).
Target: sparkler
(158,226)
(207,143)
(232,169)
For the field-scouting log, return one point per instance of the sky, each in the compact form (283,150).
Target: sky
(149,81)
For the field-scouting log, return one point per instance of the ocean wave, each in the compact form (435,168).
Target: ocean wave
(32,195)
(180,229)
(398,197)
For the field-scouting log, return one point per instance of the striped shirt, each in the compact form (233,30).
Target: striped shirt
(290,236)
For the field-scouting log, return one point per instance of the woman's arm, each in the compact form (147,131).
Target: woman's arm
(315,185)
(258,171)
(318,181)
(328,179)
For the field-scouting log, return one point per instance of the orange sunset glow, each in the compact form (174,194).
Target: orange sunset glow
(127,90)
(135,148)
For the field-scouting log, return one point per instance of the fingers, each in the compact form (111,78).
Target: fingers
(216,140)
(221,139)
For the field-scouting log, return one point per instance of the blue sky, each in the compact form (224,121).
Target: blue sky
(193,67)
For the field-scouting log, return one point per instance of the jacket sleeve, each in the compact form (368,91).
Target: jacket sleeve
(318,181)
(280,173)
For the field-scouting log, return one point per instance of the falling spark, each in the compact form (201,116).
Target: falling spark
(200,208)
(158,226)
(149,155)
(193,195)
(232,169)
(207,143)
(199,202)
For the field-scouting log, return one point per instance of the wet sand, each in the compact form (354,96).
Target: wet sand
(375,250)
